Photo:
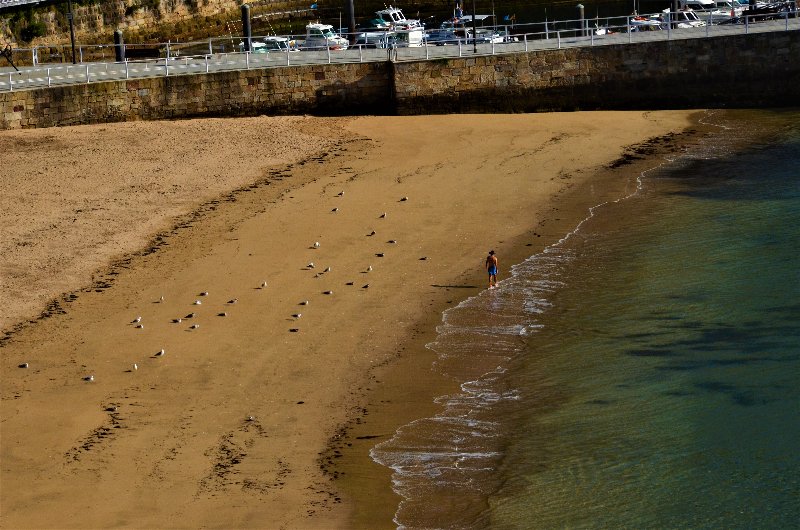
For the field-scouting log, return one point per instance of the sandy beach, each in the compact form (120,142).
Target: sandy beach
(283,360)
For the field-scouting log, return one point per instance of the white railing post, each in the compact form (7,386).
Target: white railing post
(591,33)
(10,83)
(288,50)
(80,52)
(630,33)
(210,47)
(247,60)
(127,74)
(207,56)
(558,35)
(786,19)
(87,73)
(48,77)
(669,25)
(166,64)
(525,38)
(746,24)
(709,22)
(427,51)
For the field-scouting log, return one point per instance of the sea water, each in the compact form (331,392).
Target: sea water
(644,372)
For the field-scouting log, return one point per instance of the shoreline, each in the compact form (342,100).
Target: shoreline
(412,374)
(376,340)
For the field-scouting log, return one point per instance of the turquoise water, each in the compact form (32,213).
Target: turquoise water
(642,373)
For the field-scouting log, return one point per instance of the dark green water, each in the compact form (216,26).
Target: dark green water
(643,373)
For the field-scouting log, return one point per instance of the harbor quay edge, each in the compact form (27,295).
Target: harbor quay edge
(743,71)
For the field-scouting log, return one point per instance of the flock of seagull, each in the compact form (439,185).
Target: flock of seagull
(138,324)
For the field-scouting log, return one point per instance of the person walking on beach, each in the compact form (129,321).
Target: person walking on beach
(491,268)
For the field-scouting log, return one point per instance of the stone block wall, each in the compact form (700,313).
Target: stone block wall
(756,70)
(319,89)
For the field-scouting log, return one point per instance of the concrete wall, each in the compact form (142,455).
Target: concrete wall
(754,70)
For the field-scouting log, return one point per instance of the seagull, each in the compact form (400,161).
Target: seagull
(423,258)
(297,315)
(369,268)
(195,326)
(136,320)
(177,320)
(365,286)
(159,353)
(263,284)
(393,241)
(233,300)
(112,408)
(250,418)
(340,193)
(310,265)
(372,233)
(383,215)
(23,365)
(327,292)
(190,315)
(316,244)
(294,330)
(223,314)
(198,302)
(349,283)
(404,199)
(139,326)
(304,302)
(89,378)
(204,293)
(335,210)
(135,366)
(379,254)
(327,269)
(161,299)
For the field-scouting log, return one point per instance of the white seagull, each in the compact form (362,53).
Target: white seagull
(135,366)
(327,292)
(327,269)
(335,210)
(176,320)
(198,302)
(204,293)
(23,365)
(233,300)
(195,326)
(297,315)
(136,320)
(404,199)
(159,353)
(139,326)
(304,302)
(89,378)
(316,244)
(223,314)
(383,215)
(264,284)
(369,268)
(310,265)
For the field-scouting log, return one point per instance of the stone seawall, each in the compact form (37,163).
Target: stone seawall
(756,70)
(319,89)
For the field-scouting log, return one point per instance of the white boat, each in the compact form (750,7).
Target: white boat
(321,36)
(683,18)
(408,32)
(714,11)
(273,44)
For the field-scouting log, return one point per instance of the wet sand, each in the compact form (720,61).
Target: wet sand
(244,422)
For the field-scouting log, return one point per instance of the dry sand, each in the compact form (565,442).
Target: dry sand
(241,422)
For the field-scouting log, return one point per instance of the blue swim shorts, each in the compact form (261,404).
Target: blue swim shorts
(492,271)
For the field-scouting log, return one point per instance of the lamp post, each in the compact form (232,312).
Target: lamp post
(70,16)
(474,30)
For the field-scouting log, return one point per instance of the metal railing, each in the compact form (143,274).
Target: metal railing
(224,54)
